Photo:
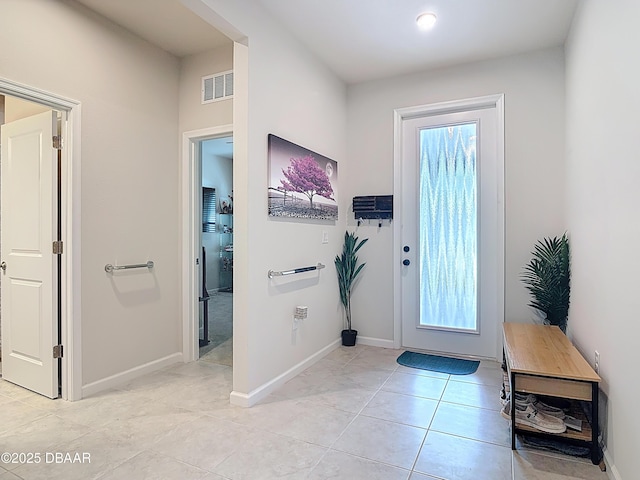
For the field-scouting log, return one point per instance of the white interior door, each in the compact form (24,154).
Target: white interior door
(29,272)
(452,230)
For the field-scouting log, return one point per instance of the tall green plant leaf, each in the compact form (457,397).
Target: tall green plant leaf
(547,277)
(348,270)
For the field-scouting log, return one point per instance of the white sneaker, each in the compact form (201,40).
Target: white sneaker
(505,411)
(530,416)
(524,399)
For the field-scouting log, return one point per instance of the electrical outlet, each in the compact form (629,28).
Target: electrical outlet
(597,361)
(301,312)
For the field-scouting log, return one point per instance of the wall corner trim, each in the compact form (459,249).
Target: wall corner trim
(612,471)
(132,373)
(377,342)
(250,399)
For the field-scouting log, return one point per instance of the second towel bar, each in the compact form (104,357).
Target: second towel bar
(273,273)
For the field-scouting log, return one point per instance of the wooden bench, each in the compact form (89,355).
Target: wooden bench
(541,360)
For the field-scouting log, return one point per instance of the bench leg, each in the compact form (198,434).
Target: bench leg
(595,448)
(512,393)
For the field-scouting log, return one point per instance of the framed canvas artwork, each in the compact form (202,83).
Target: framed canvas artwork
(302,184)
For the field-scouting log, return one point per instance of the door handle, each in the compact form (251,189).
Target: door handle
(3,266)
(406,262)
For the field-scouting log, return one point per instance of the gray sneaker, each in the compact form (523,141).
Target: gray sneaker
(524,399)
(505,411)
(529,415)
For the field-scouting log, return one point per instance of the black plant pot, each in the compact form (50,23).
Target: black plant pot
(349,337)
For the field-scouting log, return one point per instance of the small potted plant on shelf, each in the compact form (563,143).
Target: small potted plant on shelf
(548,279)
(348,270)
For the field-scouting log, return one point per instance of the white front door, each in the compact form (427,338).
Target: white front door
(29,269)
(452,228)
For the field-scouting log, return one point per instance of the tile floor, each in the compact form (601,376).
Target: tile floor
(356,414)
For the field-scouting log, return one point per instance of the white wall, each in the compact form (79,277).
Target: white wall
(292,95)
(193,114)
(603,102)
(533,85)
(16,108)
(128,91)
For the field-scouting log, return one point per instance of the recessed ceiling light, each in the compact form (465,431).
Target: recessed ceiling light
(426,20)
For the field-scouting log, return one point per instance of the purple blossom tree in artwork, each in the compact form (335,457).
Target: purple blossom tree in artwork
(305,176)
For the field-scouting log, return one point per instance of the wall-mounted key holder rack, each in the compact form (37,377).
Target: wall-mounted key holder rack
(373,207)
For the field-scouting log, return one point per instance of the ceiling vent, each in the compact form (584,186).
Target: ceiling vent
(217,87)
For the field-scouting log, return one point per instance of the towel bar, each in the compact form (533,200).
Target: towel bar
(110,268)
(273,273)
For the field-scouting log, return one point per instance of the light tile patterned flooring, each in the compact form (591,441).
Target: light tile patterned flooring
(356,414)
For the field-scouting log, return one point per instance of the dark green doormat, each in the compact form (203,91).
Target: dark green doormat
(435,363)
(549,444)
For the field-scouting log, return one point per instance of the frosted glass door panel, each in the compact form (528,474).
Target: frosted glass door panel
(448,222)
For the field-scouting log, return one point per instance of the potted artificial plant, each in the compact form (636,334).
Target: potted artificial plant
(348,270)
(547,277)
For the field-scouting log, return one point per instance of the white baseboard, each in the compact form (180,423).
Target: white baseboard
(123,377)
(612,471)
(375,342)
(253,397)
(241,399)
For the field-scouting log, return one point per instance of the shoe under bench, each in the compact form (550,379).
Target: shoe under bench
(541,360)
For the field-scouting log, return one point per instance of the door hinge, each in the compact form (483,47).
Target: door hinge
(57,351)
(57,142)
(57,247)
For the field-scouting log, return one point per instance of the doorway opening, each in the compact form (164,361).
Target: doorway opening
(215,335)
(197,286)
(58,374)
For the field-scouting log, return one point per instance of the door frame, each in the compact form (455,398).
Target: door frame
(70,293)
(191,183)
(408,113)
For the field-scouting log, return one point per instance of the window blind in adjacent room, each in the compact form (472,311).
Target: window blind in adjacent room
(208,210)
